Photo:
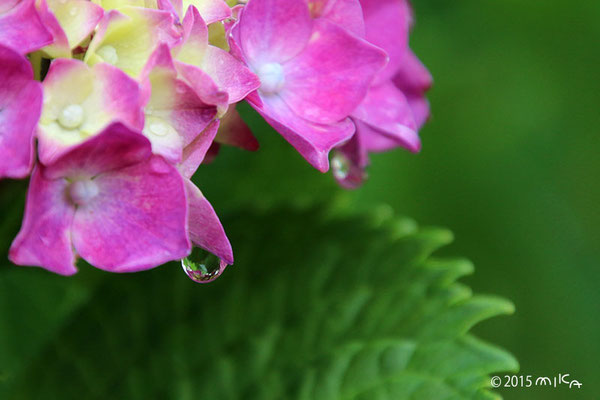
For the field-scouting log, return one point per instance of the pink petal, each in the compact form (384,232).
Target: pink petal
(387,24)
(203,85)
(373,140)
(137,221)
(175,114)
(387,111)
(331,76)
(115,147)
(234,132)
(346,13)
(313,141)
(194,153)
(274,30)
(121,95)
(78,18)
(172,6)
(190,115)
(414,80)
(44,239)
(212,10)
(20,108)
(230,74)
(21,27)
(59,48)
(195,31)
(204,227)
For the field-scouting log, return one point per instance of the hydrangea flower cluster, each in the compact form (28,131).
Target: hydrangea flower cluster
(110,106)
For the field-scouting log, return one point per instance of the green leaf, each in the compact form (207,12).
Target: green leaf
(316,307)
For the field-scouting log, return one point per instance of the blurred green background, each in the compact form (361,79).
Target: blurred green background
(509,163)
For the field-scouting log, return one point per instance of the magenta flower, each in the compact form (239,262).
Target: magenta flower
(108,200)
(313,73)
(140,93)
(395,107)
(174,113)
(21,27)
(79,102)
(20,107)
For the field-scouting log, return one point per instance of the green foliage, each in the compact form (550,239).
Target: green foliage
(317,307)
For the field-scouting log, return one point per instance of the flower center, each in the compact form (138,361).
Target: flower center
(82,191)
(271,78)
(71,116)
(108,54)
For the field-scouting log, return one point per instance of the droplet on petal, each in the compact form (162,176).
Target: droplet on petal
(160,129)
(82,191)
(71,116)
(108,54)
(202,266)
(157,126)
(271,77)
(340,165)
(348,174)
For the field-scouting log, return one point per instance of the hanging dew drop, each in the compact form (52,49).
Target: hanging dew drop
(202,266)
(340,166)
(345,172)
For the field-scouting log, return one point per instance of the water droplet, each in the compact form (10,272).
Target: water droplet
(348,174)
(108,54)
(159,128)
(340,165)
(202,266)
(71,116)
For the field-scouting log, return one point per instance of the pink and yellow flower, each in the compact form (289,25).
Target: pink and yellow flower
(107,200)
(80,101)
(139,93)
(70,22)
